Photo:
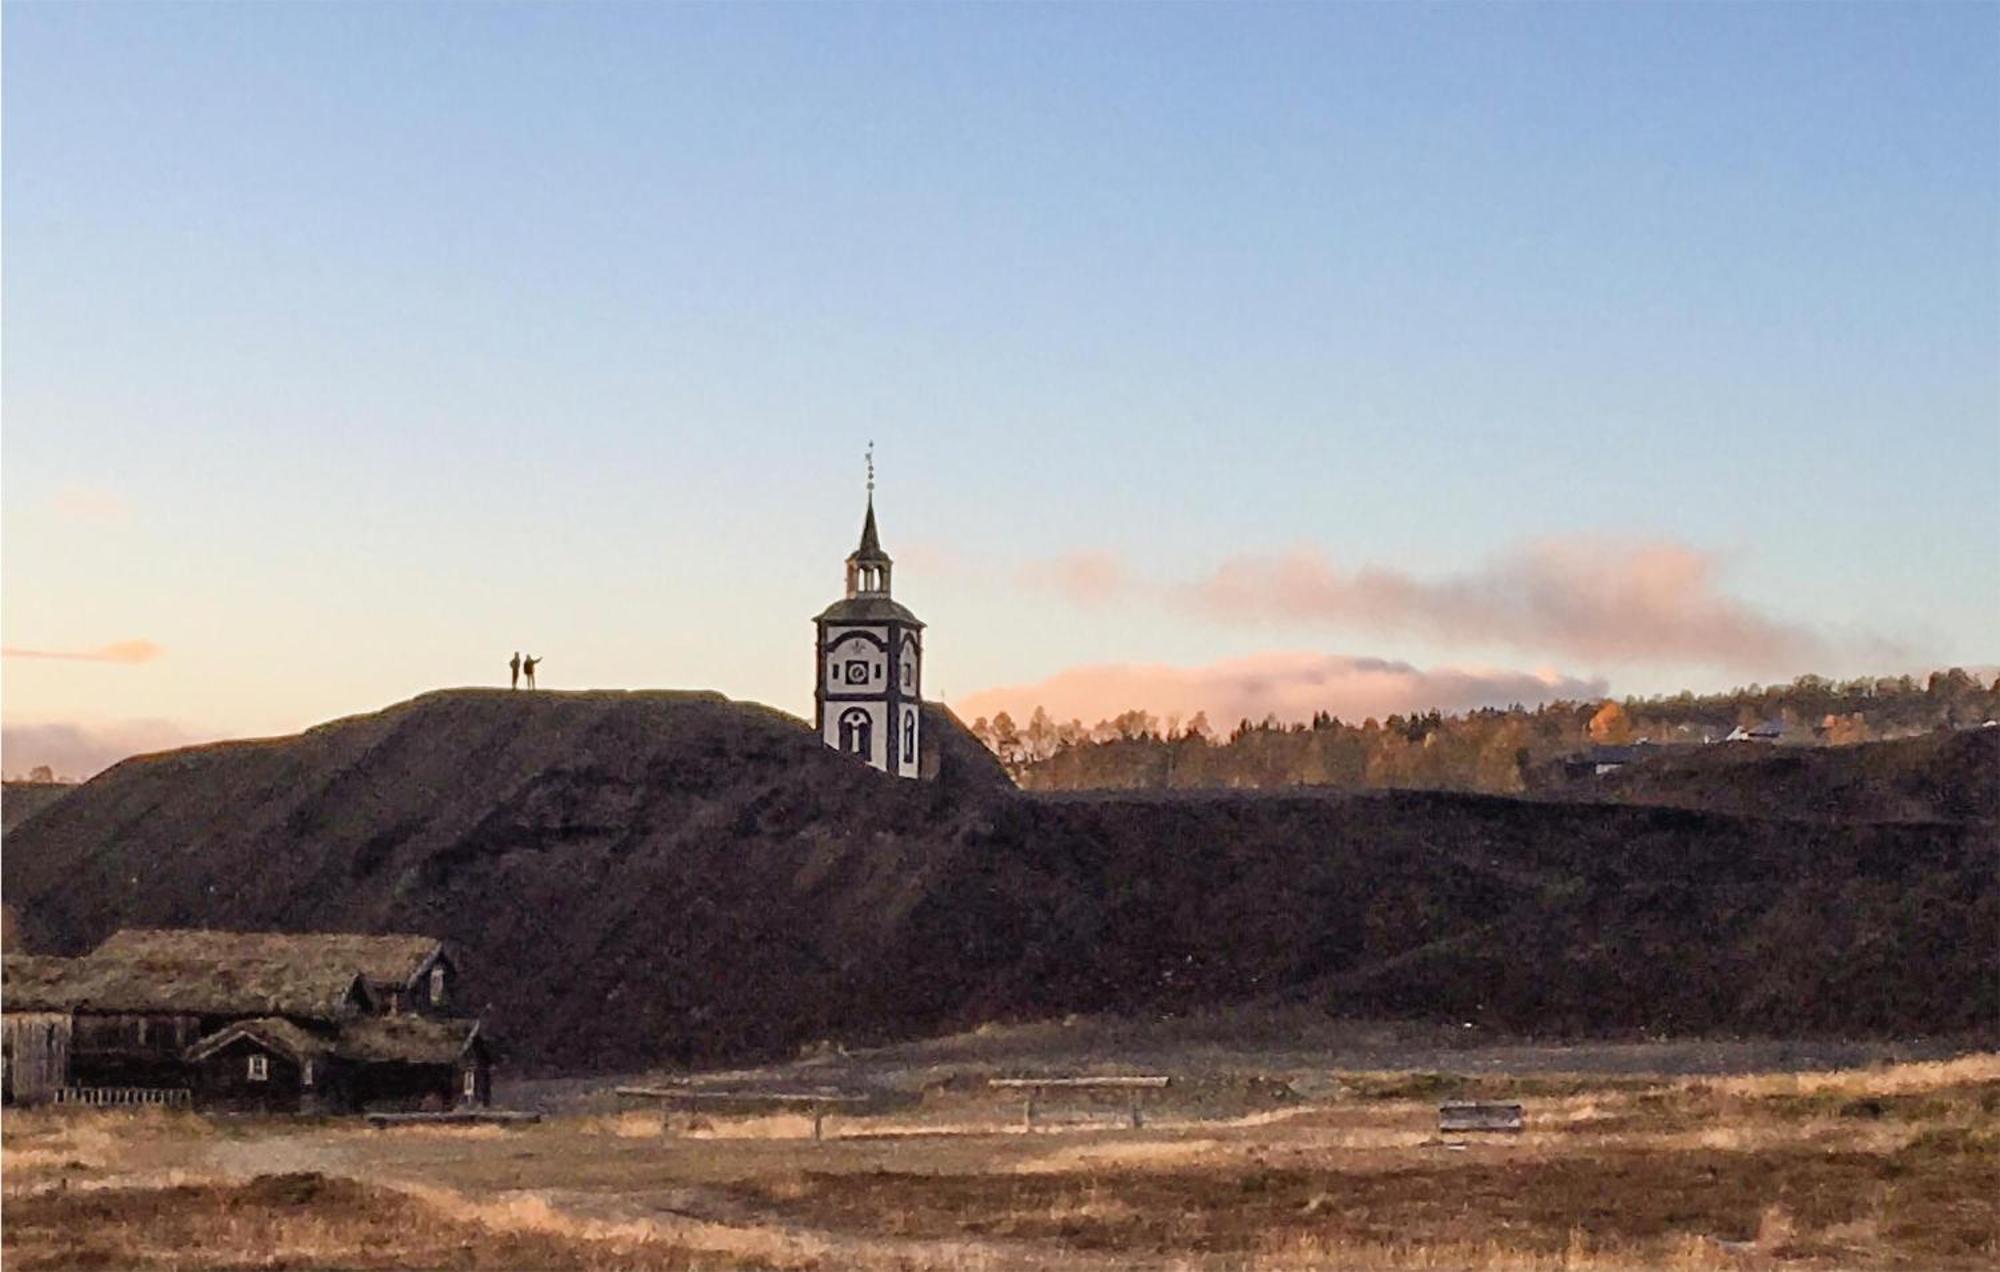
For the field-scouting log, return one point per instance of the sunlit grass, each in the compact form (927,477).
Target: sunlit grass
(1889,1165)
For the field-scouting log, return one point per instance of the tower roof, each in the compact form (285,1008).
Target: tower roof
(871,542)
(868,609)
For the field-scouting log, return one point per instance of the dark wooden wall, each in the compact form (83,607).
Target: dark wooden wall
(36,1050)
(223,1080)
(131,1049)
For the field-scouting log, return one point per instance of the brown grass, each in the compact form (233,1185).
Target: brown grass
(296,1221)
(1930,1205)
(1885,1167)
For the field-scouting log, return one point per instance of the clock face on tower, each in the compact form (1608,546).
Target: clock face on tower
(870,659)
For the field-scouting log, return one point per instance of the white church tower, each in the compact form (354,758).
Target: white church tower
(868,700)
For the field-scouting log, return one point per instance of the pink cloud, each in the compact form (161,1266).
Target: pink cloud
(1082,578)
(123,651)
(1594,599)
(91,505)
(1289,685)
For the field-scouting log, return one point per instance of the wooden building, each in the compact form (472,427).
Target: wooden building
(112,1024)
(416,1062)
(385,1062)
(268,1065)
(250,1020)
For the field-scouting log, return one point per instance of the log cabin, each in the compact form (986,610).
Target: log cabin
(99,1024)
(385,1062)
(252,1020)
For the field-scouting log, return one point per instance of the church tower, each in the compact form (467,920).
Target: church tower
(868,698)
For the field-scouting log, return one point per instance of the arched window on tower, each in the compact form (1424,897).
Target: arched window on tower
(855,732)
(909,734)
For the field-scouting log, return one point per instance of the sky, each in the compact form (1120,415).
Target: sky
(1225,357)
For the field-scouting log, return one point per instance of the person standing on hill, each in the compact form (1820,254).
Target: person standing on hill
(528,665)
(514,671)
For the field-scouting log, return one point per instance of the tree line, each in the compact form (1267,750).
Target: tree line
(1493,749)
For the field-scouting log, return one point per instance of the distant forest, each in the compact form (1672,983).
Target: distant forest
(1498,750)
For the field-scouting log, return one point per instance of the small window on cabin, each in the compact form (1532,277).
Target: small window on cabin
(260,1069)
(437,986)
(306,1074)
(472,1084)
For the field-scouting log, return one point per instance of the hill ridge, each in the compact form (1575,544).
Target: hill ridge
(670,876)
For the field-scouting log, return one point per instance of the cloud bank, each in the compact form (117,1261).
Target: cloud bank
(1623,602)
(123,651)
(1604,601)
(84,750)
(1289,685)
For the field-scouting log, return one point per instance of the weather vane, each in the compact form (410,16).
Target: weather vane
(871,466)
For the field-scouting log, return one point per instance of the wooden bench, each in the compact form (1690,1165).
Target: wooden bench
(817,1103)
(453,1117)
(1464,1116)
(1037,1087)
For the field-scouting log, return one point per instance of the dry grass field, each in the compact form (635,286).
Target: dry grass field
(1891,1165)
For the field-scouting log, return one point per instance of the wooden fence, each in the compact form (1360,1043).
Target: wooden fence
(125,1097)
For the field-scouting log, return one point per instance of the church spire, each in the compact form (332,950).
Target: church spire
(871,543)
(868,566)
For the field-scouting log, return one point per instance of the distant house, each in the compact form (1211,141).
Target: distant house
(1596,761)
(258,1020)
(1768,732)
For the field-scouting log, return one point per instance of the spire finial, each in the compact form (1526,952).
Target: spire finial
(871,470)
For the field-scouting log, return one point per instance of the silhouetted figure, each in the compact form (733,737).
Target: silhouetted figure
(528,665)
(514,671)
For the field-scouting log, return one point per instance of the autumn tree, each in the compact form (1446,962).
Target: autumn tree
(1040,739)
(1006,739)
(1610,726)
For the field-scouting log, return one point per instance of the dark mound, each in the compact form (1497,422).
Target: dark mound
(1946,776)
(21,800)
(637,878)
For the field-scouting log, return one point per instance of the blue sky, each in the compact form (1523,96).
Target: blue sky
(350,347)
